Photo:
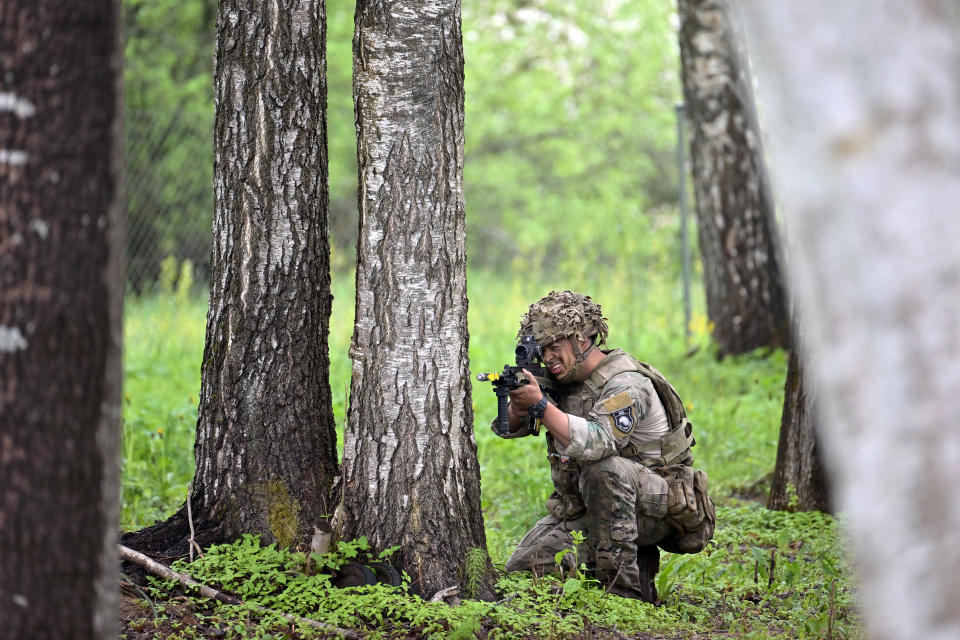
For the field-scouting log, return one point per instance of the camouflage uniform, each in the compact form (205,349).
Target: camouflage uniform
(602,480)
(619,503)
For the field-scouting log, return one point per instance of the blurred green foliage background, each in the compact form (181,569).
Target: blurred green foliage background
(570,134)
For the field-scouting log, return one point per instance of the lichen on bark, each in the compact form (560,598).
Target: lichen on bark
(283,512)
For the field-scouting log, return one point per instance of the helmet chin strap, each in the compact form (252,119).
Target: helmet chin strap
(570,376)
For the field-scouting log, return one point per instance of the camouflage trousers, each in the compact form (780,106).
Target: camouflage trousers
(625,516)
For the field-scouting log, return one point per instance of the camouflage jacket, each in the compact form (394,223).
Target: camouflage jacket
(616,411)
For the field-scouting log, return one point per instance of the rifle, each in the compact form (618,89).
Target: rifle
(528,354)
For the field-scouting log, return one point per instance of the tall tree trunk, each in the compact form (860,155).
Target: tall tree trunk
(746,302)
(411,475)
(799,479)
(61,288)
(266,441)
(864,104)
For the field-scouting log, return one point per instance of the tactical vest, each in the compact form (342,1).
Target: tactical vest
(674,446)
(691,512)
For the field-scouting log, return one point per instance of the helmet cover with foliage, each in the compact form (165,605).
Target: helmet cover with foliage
(564,314)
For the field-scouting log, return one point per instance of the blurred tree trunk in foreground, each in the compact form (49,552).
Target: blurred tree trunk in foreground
(410,470)
(866,143)
(266,442)
(745,294)
(61,296)
(799,479)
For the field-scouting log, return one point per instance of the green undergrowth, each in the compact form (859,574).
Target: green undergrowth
(734,403)
(766,575)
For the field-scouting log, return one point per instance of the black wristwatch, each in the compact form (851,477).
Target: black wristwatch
(537,410)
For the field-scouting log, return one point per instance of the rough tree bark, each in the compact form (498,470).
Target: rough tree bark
(61,296)
(746,302)
(864,105)
(266,441)
(799,479)
(410,471)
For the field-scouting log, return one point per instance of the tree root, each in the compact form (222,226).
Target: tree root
(445,593)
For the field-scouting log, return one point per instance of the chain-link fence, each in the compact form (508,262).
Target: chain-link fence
(169,162)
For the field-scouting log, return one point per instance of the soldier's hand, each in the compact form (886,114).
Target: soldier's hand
(526,395)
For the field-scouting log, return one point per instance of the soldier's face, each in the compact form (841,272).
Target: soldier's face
(558,357)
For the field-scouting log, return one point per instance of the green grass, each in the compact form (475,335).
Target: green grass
(163,347)
(735,405)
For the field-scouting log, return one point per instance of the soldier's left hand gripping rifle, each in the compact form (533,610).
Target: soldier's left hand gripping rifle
(528,354)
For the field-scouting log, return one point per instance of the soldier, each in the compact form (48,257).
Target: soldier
(606,433)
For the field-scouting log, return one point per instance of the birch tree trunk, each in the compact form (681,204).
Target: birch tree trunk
(61,296)
(266,441)
(864,104)
(410,471)
(746,302)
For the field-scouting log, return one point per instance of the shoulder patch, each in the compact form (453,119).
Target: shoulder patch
(623,420)
(622,413)
(614,403)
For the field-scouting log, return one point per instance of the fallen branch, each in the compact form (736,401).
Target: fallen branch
(164,571)
(619,636)
(133,586)
(504,601)
(614,581)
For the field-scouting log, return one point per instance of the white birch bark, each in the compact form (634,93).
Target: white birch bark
(410,471)
(742,277)
(863,101)
(265,432)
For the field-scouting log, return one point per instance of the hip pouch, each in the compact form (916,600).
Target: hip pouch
(690,510)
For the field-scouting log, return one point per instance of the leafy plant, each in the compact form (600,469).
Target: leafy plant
(476,568)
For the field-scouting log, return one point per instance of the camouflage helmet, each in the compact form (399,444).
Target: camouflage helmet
(563,314)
